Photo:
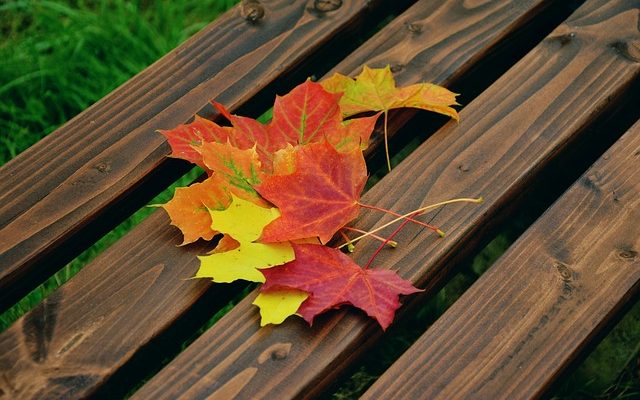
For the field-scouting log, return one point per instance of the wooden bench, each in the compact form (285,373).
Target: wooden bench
(557,77)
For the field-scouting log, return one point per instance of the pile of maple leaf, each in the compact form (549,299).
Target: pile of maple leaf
(277,193)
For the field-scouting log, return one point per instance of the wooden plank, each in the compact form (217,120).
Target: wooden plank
(51,195)
(505,138)
(419,49)
(133,293)
(528,317)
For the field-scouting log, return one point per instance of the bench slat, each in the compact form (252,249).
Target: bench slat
(134,289)
(516,328)
(504,139)
(68,184)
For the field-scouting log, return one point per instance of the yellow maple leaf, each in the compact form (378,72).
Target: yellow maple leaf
(276,305)
(375,90)
(244,221)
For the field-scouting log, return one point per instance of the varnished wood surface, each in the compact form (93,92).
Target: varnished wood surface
(516,328)
(51,193)
(440,42)
(505,137)
(95,323)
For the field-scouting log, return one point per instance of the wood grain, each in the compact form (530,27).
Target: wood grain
(440,41)
(133,293)
(505,138)
(57,191)
(516,328)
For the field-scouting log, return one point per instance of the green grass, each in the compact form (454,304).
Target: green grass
(58,58)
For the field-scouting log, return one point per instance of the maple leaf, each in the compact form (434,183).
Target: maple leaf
(375,90)
(238,169)
(243,221)
(189,208)
(244,262)
(310,114)
(276,305)
(250,133)
(306,114)
(226,243)
(319,197)
(184,138)
(354,134)
(332,278)
(284,161)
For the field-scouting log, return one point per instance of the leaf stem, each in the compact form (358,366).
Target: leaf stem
(419,210)
(386,140)
(379,249)
(350,246)
(391,243)
(415,221)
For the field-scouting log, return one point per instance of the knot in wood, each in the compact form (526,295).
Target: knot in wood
(628,254)
(103,167)
(414,27)
(327,5)
(252,11)
(463,168)
(279,354)
(615,196)
(591,182)
(567,290)
(277,351)
(627,49)
(564,271)
(566,38)
(397,68)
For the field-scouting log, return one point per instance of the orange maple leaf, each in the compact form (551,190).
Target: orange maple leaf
(353,134)
(237,170)
(184,137)
(189,208)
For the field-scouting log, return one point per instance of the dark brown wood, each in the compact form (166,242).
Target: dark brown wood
(520,325)
(131,294)
(504,139)
(440,42)
(51,195)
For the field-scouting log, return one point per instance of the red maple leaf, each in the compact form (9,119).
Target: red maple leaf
(332,278)
(184,137)
(319,197)
(306,114)
(248,133)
